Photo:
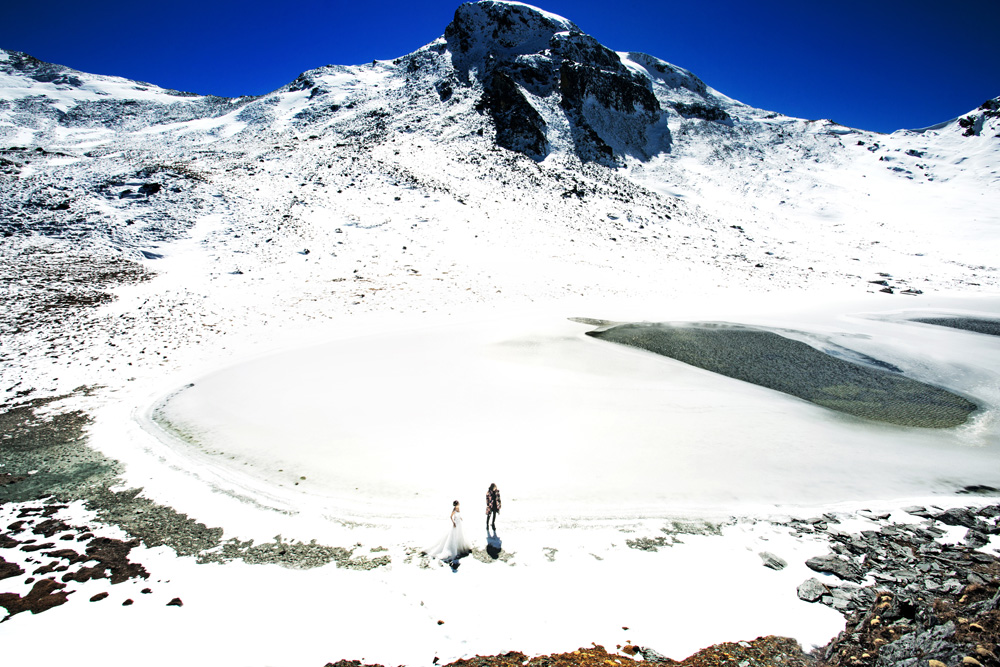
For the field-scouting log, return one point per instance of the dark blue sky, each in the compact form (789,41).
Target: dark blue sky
(875,64)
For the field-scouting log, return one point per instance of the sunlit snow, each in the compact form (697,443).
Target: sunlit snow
(360,310)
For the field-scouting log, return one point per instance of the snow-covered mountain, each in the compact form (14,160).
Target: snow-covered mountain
(514,165)
(514,158)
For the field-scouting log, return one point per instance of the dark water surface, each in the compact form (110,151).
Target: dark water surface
(770,360)
(990,327)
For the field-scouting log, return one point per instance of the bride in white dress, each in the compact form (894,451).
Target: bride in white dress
(453,545)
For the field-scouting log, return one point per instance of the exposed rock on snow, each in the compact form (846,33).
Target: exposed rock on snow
(519,126)
(772,561)
(481,29)
(929,601)
(45,594)
(834,565)
(609,108)
(812,590)
(984,119)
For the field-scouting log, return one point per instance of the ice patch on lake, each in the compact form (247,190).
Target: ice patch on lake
(402,422)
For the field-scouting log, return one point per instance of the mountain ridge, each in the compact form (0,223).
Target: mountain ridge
(596,156)
(469,27)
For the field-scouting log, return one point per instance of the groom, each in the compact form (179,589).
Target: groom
(492,506)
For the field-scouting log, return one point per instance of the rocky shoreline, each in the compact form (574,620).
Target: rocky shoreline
(908,599)
(46,465)
(931,605)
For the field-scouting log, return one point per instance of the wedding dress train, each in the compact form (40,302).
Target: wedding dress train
(453,545)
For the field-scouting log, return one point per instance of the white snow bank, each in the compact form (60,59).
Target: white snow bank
(561,590)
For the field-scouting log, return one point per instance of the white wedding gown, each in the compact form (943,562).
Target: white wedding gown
(453,545)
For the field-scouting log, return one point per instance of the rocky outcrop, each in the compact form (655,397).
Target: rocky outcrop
(612,91)
(502,30)
(517,52)
(916,599)
(39,70)
(833,565)
(669,75)
(703,111)
(611,111)
(519,127)
(44,594)
(977,122)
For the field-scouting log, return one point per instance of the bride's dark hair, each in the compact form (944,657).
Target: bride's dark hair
(455,504)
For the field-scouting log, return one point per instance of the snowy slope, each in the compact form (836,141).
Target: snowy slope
(538,89)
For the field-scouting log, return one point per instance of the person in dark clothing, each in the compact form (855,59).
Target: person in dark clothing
(492,506)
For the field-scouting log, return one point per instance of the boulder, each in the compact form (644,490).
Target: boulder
(917,510)
(918,648)
(958,516)
(811,590)
(772,561)
(837,566)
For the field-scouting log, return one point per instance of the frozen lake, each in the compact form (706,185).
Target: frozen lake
(401,422)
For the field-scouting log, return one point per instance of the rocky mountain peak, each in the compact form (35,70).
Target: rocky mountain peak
(39,70)
(530,63)
(503,28)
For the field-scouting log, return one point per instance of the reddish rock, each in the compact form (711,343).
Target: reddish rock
(67,554)
(112,561)
(44,595)
(16,527)
(9,569)
(50,527)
